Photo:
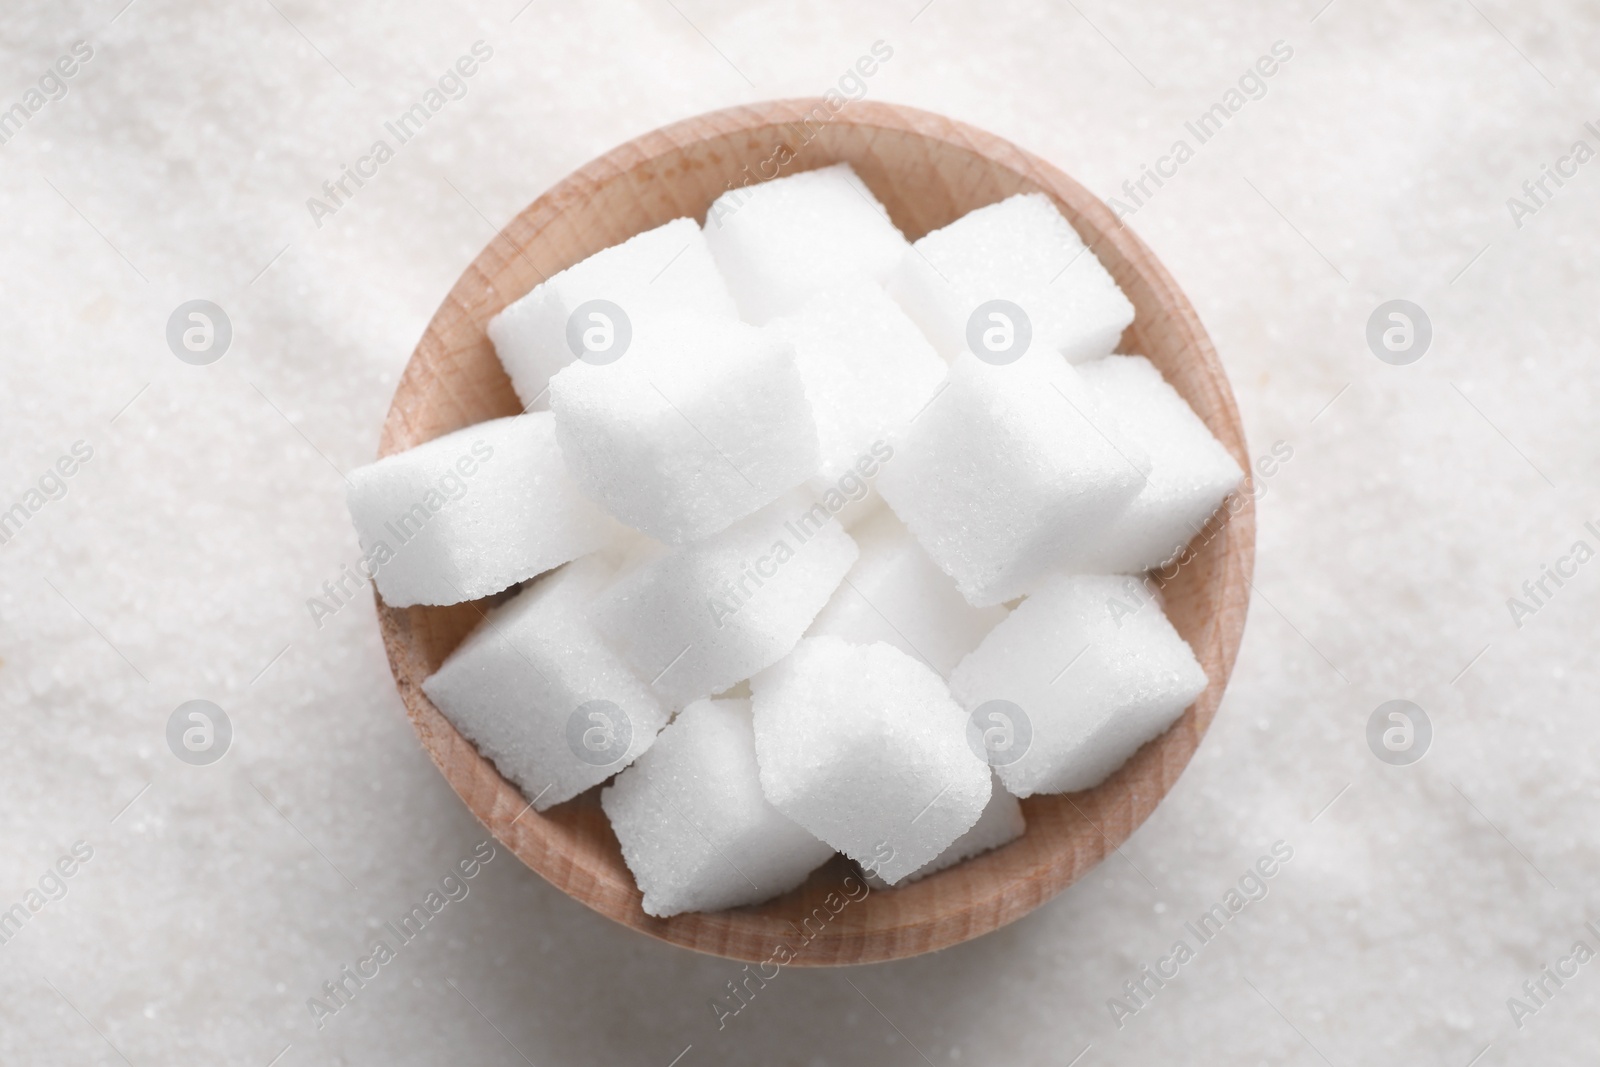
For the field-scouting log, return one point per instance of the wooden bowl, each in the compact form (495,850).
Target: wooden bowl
(927,170)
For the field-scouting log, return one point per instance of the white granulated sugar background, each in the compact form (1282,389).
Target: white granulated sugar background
(179,562)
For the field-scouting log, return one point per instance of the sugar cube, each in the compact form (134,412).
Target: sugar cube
(779,241)
(700,423)
(473,512)
(1191,473)
(708,615)
(538,692)
(695,829)
(863,746)
(1079,676)
(1007,469)
(895,594)
(853,496)
(1000,824)
(864,506)
(1023,251)
(667,269)
(867,370)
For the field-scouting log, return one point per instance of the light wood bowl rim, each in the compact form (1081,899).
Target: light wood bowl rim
(971,898)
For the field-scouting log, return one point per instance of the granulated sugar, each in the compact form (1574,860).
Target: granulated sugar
(1399,508)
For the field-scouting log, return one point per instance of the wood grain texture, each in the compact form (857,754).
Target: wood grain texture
(928,171)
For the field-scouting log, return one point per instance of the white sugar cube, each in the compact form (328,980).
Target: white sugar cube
(1191,473)
(1097,671)
(695,829)
(863,746)
(1006,470)
(1021,250)
(1000,824)
(858,509)
(665,270)
(700,423)
(779,241)
(473,512)
(895,594)
(708,615)
(539,693)
(853,496)
(867,370)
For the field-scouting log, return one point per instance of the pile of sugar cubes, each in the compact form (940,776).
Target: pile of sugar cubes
(809,539)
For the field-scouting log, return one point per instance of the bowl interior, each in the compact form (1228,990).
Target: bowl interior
(928,171)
